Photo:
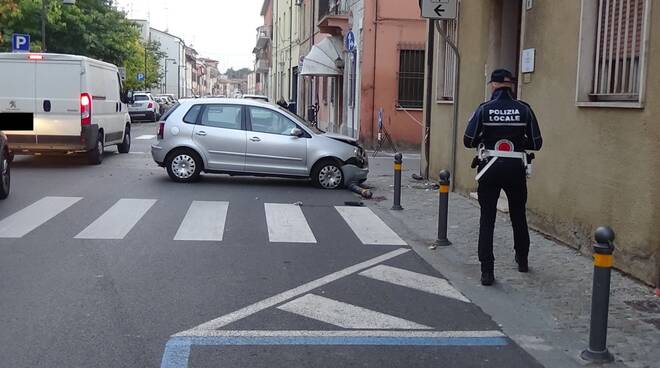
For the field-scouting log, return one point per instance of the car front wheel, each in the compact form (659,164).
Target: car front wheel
(183,166)
(327,175)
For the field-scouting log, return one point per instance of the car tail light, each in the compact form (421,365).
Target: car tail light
(161,129)
(35,57)
(150,105)
(85,109)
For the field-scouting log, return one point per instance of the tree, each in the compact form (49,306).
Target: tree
(93,28)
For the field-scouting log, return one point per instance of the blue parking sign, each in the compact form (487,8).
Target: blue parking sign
(20,42)
(140,76)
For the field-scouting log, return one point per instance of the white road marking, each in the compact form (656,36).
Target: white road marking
(207,327)
(370,333)
(146,137)
(117,221)
(34,215)
(415,281)
(287,224)
(204,221)
(346,315)
(368,227)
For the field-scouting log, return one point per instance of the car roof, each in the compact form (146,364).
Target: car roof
(220,100)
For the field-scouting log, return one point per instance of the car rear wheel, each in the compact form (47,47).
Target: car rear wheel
(183,166)
(327,174)
(95,156)
(125,145)
(5,176)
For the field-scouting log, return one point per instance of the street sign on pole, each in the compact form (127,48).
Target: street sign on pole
(439,9)
(20,42)
(140,76)
(350,41)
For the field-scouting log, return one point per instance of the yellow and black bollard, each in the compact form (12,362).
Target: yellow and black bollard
(600,298)
(443,210)
(398,160)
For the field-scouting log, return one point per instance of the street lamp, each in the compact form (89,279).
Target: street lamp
(173,63)
(44,5)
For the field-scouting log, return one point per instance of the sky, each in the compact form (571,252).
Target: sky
(224,30)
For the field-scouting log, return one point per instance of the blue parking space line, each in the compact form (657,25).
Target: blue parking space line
(177,349)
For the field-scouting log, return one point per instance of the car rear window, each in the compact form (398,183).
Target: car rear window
(169,112)
(140,98)
(192,114)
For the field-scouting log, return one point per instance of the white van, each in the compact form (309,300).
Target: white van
(75,105)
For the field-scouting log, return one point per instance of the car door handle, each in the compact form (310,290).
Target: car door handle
(255,139)
(202,133)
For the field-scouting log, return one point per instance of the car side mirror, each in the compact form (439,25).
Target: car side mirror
(127,97)
(296,132)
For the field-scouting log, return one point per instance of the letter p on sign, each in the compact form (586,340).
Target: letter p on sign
(20,42)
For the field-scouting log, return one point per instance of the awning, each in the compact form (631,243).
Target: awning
(323,58)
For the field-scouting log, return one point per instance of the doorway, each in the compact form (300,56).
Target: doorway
(504,36)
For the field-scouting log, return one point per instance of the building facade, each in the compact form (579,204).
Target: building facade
(588,68)
(173,64)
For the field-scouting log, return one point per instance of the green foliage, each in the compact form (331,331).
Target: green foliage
(238,74)
(93,28)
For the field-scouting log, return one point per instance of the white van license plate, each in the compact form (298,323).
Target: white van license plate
(16,121)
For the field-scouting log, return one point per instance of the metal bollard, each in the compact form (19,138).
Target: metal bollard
(398,159)
(600,298)
(443,210)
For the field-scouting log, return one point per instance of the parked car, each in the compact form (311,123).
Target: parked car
(257,97)
(170,98)
(144,107)
(249,137)
(5,166)
(69,104)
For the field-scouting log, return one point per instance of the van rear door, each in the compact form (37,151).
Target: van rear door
(58,88)
(17,93)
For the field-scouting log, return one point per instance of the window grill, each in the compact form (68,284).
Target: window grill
(411,78)
(619,32)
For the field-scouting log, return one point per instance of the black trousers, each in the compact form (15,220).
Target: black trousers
(508,175)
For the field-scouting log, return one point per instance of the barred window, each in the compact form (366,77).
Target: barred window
(446,62)
(614,34)
(411,78)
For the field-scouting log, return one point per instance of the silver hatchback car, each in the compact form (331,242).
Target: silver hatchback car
(249,137)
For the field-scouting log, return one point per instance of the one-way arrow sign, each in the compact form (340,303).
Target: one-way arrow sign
(439,9)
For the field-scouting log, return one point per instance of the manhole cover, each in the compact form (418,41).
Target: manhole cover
(646,306)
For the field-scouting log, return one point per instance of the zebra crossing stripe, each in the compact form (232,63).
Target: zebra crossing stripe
(117,221)
(146,137)
(368,227)
(414,280)
(204,221)
(346,315)
(34,215)
(287,224)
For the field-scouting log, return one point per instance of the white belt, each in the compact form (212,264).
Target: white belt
(484,153)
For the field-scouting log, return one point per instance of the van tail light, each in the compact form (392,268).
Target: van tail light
(161,129)
(150,105)
(85,109)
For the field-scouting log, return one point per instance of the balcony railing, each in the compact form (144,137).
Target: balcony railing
(332,7)
(264,32)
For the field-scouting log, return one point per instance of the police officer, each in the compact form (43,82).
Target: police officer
(503,124)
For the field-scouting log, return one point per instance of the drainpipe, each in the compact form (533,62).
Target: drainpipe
(373,94)
(429,100)
(290,47)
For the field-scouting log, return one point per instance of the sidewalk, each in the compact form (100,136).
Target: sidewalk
(545,311)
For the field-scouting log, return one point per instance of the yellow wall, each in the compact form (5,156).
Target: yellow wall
(598,165)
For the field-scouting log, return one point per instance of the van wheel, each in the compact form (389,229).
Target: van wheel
(327,174)
(183,165)
(5,176)
(95,156)
(125,145)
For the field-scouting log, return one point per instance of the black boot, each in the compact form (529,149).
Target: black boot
(523,266)
(487,275)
